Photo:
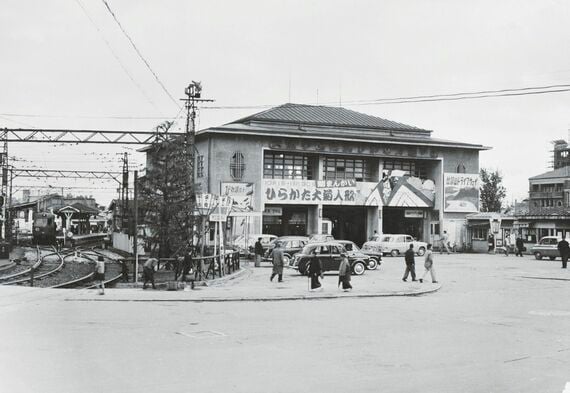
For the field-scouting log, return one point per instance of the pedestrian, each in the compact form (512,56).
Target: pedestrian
(507,245)
(428,264)
(344,273)
(491,242)
(564,249)
(444,240)
(315,270)
(277,262)
(520,246)
(100,274)
(410,263)
(258,248)
(148,272)
(374,236)
(124,271)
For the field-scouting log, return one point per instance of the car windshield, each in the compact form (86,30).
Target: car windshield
(307,250)
(386,238)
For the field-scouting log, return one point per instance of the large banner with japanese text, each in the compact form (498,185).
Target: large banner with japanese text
(461,192)
(314,192)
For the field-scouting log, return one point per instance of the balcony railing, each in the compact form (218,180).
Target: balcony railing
(546,195)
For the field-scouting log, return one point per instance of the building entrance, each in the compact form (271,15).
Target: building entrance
(348,222)
(394,221)
(286,221)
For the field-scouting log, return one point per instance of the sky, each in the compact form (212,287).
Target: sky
(67,64)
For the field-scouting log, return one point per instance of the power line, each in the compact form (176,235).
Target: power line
(149,100)
(140,54)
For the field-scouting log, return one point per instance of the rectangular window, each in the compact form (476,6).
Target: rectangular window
(200,166)
(346,168)
(414,168)
(286,166)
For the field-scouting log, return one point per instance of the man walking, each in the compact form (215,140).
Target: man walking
(148,272)
(564,249)
(520,246)
(410,264)
(444,240)
(100,274)
(277,262)
(258,248)
(428,264)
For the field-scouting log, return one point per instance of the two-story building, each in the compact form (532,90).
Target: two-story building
(294,167)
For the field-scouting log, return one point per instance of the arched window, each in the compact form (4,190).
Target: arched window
(460,168)
(237,166)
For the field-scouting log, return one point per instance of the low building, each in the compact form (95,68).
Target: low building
(294,167)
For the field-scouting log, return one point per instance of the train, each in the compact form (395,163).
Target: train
(44,229)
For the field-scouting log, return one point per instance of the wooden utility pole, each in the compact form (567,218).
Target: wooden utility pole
(135,235)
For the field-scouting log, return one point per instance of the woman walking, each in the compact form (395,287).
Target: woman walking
(315,271)
(428,264)
(344,273)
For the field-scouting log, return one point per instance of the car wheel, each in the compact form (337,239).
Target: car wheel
(552,258)
(395,253)
(286,259)
(372,264)
(359,268)
(538,255)
(421,251)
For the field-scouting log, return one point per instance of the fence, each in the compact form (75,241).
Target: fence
(124,242)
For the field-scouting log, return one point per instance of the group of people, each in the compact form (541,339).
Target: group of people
(314,269)
(410,260)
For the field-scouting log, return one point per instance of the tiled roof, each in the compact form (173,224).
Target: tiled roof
(555,174)
(325,115)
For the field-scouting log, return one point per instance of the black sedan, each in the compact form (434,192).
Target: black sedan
(329,254)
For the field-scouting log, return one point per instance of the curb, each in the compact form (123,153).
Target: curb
(546,278)
(259,299)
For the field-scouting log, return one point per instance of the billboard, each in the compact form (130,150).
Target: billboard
(461,193)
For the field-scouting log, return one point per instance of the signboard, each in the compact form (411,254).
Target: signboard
(461,192)
(413,213)
(208,204)
(241,193)
(273,211)
(313,192)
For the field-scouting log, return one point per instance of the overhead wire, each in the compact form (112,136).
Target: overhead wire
(116,56)
(140,54)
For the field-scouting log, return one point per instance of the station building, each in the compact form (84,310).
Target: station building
(303,169)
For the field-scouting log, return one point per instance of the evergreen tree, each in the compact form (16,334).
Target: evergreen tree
(492,191)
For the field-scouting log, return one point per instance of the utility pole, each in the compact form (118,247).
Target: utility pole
(6,230)
(193,96)
(125,191)
(135,235)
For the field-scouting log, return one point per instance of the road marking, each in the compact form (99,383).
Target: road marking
(566,388)
(202,334)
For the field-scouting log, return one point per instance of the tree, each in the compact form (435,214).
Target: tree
(492,190)
(164,195)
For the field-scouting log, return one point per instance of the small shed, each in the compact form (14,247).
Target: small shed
(489,227)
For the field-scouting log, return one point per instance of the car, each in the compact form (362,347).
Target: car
(330,255)
(291,245)
(320,237)
(546,247)
(375,258)
(395,244)
(245,244)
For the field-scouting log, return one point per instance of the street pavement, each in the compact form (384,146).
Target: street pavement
(496,324)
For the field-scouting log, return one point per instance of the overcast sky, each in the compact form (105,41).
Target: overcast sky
(67,64)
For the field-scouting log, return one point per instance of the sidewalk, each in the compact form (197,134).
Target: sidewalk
(252,284)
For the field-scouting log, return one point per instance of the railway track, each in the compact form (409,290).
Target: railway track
(70,268)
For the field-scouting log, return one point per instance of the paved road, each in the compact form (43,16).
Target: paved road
(488,329)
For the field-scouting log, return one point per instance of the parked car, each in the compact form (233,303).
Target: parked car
(396,244)
(546,247)
(291,245)
(245,244)
(329,253)
(374,259)
(320,237)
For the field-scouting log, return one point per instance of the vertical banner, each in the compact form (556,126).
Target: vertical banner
(461,193)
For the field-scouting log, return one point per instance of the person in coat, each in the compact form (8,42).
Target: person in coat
(315,270)
(344,273)
(277,262)
(100,274)
(258,248)
(444,240)
(409,257)
(564,249)
(148,272)
(428,264)
(520,246)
